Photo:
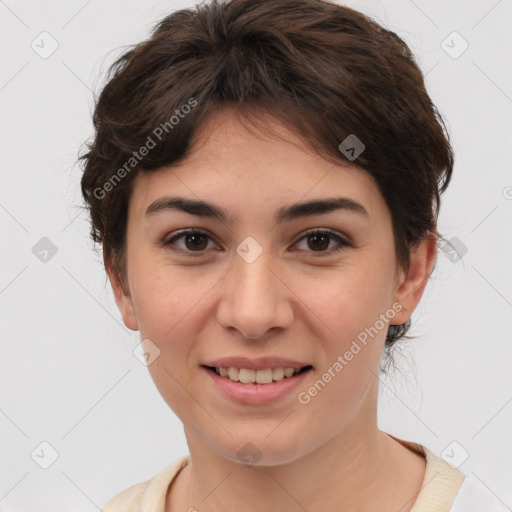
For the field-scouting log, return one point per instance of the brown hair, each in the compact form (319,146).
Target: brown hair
(324,70)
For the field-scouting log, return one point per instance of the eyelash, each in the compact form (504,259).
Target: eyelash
(342,241)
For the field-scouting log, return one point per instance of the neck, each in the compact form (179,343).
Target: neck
(355,470)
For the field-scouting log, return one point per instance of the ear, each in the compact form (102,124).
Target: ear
(411,283)
(123,299)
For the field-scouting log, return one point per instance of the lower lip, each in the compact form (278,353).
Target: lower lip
(256,394)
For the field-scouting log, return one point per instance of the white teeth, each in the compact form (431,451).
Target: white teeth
(278,373)
(264,376)
(234,374)
(248,376)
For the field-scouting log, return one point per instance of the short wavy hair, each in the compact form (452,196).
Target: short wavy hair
(324,70)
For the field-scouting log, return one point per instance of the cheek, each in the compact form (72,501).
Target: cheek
(349,299)
(167,307)
(352,341)
(165,297)
(354,311)
(171,309)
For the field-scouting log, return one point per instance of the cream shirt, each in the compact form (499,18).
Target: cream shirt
(444,489)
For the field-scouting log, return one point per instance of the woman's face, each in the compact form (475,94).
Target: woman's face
(256,285)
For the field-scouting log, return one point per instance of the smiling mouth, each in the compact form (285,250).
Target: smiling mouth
(265,376)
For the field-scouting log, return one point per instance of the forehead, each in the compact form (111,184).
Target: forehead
(250,168)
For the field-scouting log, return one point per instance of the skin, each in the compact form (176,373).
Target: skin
(295,300)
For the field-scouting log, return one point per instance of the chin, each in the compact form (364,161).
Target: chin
(261,450)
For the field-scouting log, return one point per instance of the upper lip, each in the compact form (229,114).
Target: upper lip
(260,363)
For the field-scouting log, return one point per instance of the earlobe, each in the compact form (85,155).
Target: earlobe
(123,299)
(414,280)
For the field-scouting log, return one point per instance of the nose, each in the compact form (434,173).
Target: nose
(255,299)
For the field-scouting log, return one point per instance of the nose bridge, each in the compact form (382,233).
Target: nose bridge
(253,279)
(253,300)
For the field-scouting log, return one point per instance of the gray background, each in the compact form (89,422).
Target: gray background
(68,374)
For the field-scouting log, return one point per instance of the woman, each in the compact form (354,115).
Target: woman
(265,180)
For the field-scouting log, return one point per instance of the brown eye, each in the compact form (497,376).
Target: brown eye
(319,241)
(194,241)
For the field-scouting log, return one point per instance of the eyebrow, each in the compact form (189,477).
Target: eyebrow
(283,214)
